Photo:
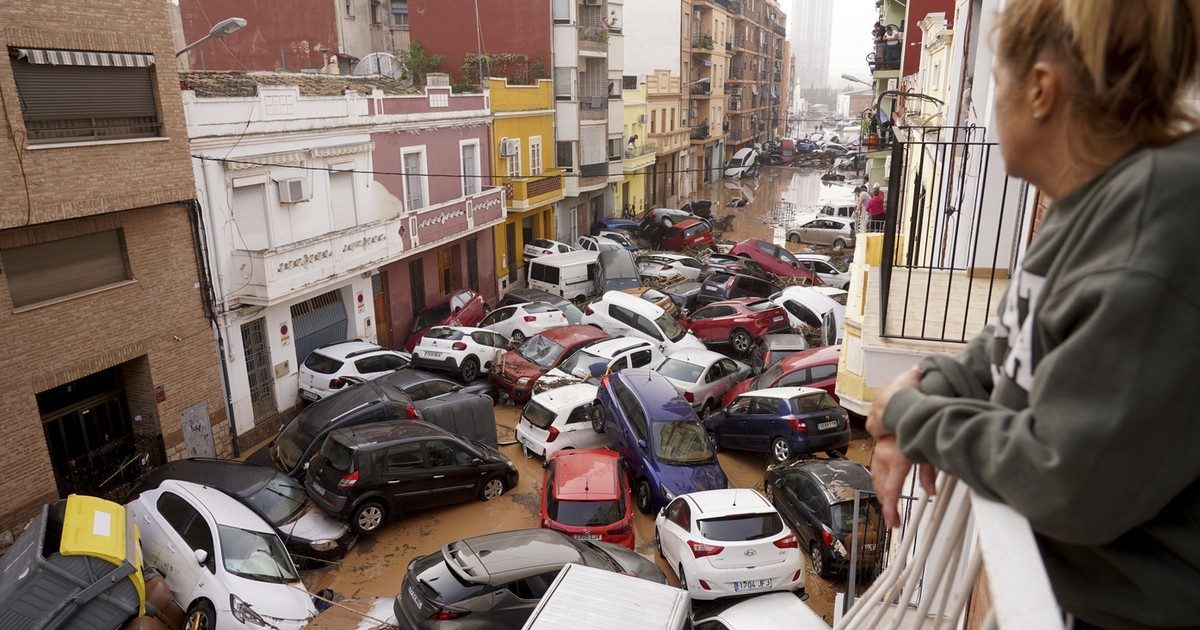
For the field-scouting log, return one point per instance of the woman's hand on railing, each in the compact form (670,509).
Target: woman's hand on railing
(889,466)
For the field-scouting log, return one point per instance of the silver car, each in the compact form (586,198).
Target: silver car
(837,232)
(703,376)
(496,580)
(832,272)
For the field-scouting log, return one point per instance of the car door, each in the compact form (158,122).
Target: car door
(674,530)
(621,322)
(407,478)
(708,386)
(726,373)
(809,231)
(486,347)
(371,367)
(642,358)
(184,531)
(730,427)
(760,424)
(500,320)
(453,474)
(512,603)
(799,491)
(577,428)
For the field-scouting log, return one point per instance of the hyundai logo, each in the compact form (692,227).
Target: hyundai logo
(750,552)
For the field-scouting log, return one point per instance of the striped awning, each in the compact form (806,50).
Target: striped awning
(84,58)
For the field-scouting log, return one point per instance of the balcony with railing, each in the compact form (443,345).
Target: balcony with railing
(886,57)
(702,43)
(671,141)
(639,157)
(524,193)
(700,133)
(593,107)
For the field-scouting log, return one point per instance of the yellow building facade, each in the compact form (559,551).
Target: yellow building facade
(523,162)
(630,197)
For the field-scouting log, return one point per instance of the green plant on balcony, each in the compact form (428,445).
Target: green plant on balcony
(515,68)
(419,61)
(593,34)
(705,41)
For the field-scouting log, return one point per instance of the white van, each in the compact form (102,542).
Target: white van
(585,598)
(741,163)
(571,275)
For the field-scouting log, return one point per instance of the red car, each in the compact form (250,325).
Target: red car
(774,259)
(808,368)
(461,308)
(738,322)
(515,371)
(585,494)
(687,234)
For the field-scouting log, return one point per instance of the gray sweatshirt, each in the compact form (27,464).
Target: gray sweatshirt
(1079,407)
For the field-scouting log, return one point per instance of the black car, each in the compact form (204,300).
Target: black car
(727,286)
(369,473)
(421,385)
(772,348)
(816,498)
(521,296)
(714,263)
(310,535)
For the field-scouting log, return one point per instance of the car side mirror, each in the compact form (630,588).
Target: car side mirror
(201,556)
(475,461)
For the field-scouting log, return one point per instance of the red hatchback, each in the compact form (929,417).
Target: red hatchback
(808,368)
(774,259)
(585,495)
(737,322)
(461,308)
(687,234)
(516,371)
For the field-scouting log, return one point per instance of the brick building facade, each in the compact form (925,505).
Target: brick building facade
(108,348)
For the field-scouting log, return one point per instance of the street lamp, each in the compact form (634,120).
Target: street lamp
(851,77)
(219,30)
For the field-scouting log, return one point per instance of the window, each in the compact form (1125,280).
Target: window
(370,365)
(74,96)
(641,358)
(629,82)
(377,11)
(654,121)
(535,155)
(562,11)
(469,152)
(341,199)
(415,182)
(798,377)
(403,457)
(672,119)
(514,160)
(446,453)
(533,587)
(54,269)
(562,84)
(400,12)
(614,148)
(680,513)
(823,371)
(563,157)
(249,208)
(762,406)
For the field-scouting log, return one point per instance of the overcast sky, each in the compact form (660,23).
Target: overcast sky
(852,22)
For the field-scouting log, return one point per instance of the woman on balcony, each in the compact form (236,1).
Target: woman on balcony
(1078,407)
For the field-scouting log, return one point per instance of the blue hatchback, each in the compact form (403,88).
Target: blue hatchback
(658,436)
(782,421)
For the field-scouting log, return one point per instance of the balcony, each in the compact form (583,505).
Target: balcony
(886,57)
(702,42)
(700,133)
(700,88)
(525,193)
(594,40)
(593,107)
(637,158)
(671,141)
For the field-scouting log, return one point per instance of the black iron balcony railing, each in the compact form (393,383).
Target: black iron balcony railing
(700,132)
(885,57)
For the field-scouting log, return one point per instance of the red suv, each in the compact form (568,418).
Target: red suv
(686,234)
(738,322)
(774,259)
(515,371)
(809,368)
(461,308)
(585,495)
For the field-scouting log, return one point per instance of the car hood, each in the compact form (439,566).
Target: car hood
(684,479)
(314,524)
(632,563)
(284,605)
(688,340)
(516,366)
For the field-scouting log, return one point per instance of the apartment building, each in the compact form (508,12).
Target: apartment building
(755,73)
(707,47)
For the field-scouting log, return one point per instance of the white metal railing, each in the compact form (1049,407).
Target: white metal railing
(934,570)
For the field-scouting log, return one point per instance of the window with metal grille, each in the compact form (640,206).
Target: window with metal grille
(54,269)
(473,263)
(79,96)
(416,282)
(514,160)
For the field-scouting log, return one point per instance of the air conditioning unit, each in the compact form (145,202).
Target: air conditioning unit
(293,190)
(509,148)
(642,119)
(593,3)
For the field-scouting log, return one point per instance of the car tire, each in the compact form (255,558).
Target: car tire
(741,340)
(793,238)
(838,452)
(781,451)
(706,409)
(368,517)
(769,492)
(201,616)
(469,371)
(491,489)
(641,495)
(839,244)
(712,439)
(517,337)
(597,419)
(818,560)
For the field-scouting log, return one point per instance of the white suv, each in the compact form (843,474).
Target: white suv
(459,349)
(559,419)
(522,321)
(599,358)
(325,370)
(623,315)
(544,247)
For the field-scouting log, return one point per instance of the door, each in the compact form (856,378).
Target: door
(383,326)
(674,529)
(406,476)
(90,436)
(500,320)
(259,374)
(453,475)
(184,531)
(758,426)
(578,428)
(445,258)
(795,488)
(318,321)
(731,428)
(510,250)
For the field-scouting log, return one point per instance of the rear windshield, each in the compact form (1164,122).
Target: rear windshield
(759,307)
(280,499)
(719,278)
(541,242)
(813,403)
(337,456)
(439,583)
(431,316)
(741,527)
(680,370)
(695,229)
(444,333)
(585,513)
(322,364)
(869,515)
(540,307)
(538,416)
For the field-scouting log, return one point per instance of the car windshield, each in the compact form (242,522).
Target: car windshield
(541,351)
(868,515)
(769,376)
(292,442)
(279,500)
(322,364)
(444,333)
(680,370)
(670,327)
(255,555)
(759,307)
(431,316)
(584,362)
(839,265)
(741,527)
(574,315)
(683,443)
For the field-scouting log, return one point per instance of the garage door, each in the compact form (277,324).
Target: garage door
(317,322)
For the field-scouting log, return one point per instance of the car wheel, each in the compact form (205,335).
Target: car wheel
(741,340)
(491,489)
(642,496)
(712,439)
(201,616)
(517,337)
(597,419)
(838,452)
(839,244)
(706,409)
(781,451)
(368,517)
(469,370)
(817,558)
(769,490)
(793,238)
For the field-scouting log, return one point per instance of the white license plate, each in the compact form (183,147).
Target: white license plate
(318,488)
(777,318)
(749,585)
(827,425)
(589,537)
(307,395)
(432,354)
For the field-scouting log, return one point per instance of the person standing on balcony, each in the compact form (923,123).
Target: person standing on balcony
(876,207)
(1078,407)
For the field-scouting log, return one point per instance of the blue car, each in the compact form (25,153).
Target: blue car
(782,421)
(615,225)
(658,436)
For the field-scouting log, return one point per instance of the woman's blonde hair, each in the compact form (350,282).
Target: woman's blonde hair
(1131,63)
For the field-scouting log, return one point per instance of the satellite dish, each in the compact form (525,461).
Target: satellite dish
(382,64)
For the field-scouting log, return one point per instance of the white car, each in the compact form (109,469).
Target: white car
(598,244)
(559,419)
(667,266)
(832,272)
(620,238)
(624,315)
(722,543)
(324,370)
(460,349)
(224,563)
(599,358)
(837,295)
(805,305)
(742,164)
(703,376)
(773,610)
(522,321)
(544,247)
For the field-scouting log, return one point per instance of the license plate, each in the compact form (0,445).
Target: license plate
(827,425)
(588,537)
(777,318)
(749,585)
(318,488)
(307,395)
(432,354)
